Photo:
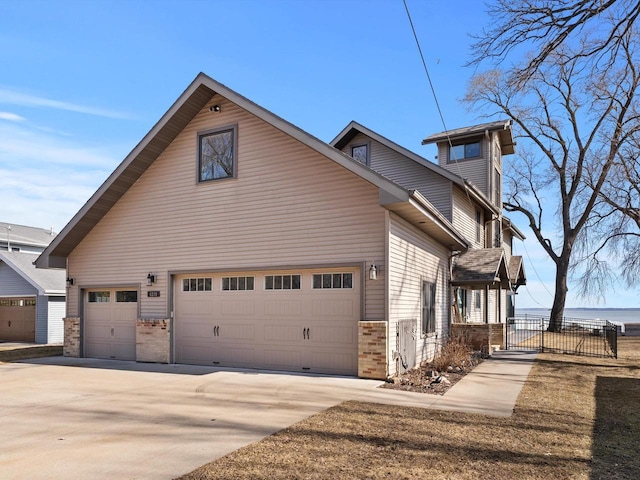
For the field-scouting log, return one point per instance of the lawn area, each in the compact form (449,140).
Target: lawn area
(12,353)
(576,418)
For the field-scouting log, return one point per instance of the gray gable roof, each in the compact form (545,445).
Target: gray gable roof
(351,130)
(47,282)
(184,109)
(24,235)
(502,126)
(480,267)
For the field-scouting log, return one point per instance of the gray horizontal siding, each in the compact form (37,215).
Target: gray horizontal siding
(407,173)
(12,284)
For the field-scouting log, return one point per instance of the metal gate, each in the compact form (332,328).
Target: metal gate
(577,336)
(406,345)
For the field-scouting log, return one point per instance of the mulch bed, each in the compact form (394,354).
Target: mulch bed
(426,379)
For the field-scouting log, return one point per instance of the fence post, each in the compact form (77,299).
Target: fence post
(542,331)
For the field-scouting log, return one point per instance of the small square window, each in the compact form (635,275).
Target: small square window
(217,155)
(360,153)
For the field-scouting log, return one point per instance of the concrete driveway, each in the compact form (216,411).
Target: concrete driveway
(64,418)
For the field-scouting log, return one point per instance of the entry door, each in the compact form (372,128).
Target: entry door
(110,317)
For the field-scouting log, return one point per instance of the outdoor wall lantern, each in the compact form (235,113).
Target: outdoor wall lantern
(151,279)
(373,272)
(70,281)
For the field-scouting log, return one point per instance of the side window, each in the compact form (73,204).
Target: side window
(217,155)
(464,151)
(428,307)
(360,153)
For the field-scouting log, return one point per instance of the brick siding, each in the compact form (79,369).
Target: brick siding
(71,347)
(372,350)
(153,340)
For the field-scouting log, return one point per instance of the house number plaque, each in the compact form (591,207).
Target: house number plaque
(153,293)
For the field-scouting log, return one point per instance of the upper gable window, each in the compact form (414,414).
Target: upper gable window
(217,154)
(360,153)
(464,151)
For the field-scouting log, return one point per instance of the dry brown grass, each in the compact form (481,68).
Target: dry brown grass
(13,353)
(576,418)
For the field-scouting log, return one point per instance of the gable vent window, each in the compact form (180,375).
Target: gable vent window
(360,153)
(217,154)
(464,151)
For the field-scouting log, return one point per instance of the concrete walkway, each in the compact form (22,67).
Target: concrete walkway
(492,388)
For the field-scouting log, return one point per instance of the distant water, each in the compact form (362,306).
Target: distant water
(624,315)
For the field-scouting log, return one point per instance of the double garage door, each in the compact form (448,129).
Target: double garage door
(18,319)
(298,320)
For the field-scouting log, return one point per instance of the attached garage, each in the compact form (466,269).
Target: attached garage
(294,320)
(18,319)
(110,323)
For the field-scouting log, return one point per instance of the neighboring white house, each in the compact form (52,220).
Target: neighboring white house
(230,237)
(32,301)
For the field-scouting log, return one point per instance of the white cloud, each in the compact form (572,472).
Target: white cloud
(12,97)
(45,180)
(12,117)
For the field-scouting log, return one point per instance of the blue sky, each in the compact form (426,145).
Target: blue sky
(81,82)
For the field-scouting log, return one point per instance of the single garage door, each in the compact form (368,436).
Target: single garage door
(279,320)
(110,317)
(18,319)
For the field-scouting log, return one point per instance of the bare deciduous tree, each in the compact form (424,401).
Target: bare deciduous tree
(577,115)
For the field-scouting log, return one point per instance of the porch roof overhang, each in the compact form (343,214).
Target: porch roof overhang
(480,268)
(418,211)
(516,272)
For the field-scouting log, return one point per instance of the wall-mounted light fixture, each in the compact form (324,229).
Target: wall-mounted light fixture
(70,281)
(373,272)
(215,108)
(151,279)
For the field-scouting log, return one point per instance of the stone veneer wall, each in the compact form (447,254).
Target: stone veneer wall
(71,346)
(153,340)
(485,337)
(372,350)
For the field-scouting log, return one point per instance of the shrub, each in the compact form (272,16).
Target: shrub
(456,353)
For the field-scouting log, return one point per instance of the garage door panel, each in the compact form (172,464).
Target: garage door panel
(191,330)
(196,353)
(124,351)
(282,358)
(234,332)
(236,356)
(280,307)
(337,361)
(332,335)
(237,307)
(283,333)
(18,322)
(333,308)
(98,349)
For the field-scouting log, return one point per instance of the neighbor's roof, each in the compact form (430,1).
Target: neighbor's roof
(184,109)
(350,131)
(47,282)
(480,267)
(502,126)
(23,235)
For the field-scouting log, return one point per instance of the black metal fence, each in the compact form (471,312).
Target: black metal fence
(578,336)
